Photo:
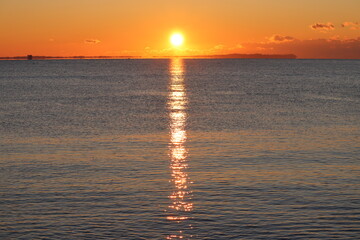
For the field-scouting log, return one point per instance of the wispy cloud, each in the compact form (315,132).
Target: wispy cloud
(219,47)
(333,47)
(351,25)
(280,39)
(216,49)
(323,27)
(92,41)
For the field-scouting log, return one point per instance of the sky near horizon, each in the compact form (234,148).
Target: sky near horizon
(307,28)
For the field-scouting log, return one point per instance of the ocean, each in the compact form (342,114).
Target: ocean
(180,149)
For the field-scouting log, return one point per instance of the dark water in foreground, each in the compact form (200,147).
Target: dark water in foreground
(180,149)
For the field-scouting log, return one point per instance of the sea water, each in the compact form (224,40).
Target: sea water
(180,149)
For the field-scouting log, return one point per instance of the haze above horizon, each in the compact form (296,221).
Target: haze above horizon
(308,29)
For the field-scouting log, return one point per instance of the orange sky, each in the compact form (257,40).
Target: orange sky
(307,28)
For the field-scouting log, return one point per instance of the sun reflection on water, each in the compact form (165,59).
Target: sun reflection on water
(181,204)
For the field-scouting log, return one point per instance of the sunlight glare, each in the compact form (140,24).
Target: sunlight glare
(177,39)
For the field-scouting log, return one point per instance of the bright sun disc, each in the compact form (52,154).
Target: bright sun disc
(176,39)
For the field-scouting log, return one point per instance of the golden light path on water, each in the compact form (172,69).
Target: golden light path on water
(180,198)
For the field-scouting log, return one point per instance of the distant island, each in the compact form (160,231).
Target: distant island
(233,55)
(251,56)
(33,57)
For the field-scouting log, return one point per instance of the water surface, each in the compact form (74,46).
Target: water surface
(180,149)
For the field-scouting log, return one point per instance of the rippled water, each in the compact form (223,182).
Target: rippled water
(180,149)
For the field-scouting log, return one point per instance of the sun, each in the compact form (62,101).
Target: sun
(177,39)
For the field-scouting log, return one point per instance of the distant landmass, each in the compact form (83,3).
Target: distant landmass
(233,55)
(256,55)
(31,57)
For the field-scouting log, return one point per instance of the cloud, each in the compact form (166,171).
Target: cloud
(323,27)
(310,48)
(334,47)
(235,48)
(219,47)
(280,39)
(351,25)
(92,41)
(216,49)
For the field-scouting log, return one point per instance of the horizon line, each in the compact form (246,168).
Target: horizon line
(212,56)
(231,55)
